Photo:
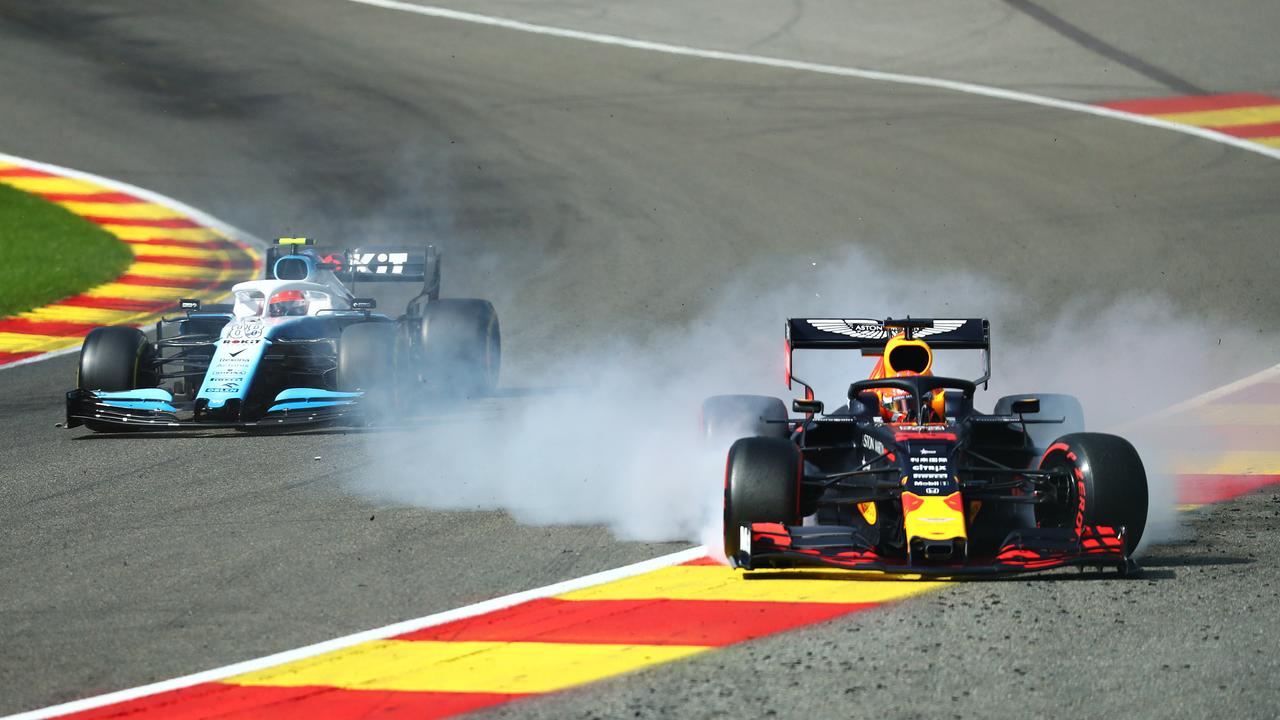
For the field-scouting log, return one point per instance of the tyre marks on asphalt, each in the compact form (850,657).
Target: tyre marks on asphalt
(175,256)
(1250,116)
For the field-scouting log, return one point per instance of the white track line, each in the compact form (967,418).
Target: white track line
(823,69)
(399,628)
(1204,398)
(177,205)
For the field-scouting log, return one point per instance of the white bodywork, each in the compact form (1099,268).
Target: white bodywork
(251,297)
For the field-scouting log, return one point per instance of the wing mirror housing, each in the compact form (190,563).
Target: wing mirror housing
(363,303)
(1025,406)
(808,407)
(865,405)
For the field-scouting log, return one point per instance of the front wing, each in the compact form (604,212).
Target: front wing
(153,409)
(1029,550)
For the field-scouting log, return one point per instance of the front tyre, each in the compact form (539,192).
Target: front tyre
(761,484)
(1107,485)
(366,363)
(459,347)
(113,359)
(729,417)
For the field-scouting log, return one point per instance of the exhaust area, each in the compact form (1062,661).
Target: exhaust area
(611,436)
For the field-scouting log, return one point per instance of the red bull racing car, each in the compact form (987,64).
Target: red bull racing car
(909,477)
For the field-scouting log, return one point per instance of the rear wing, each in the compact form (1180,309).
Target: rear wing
(870,336)
(386,263)
(371,263)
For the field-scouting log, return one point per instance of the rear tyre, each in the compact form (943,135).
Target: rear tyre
(459,347)
(366,363)
(729,417)
(1108,485)
(1052,407)
(112,359)
(761,484)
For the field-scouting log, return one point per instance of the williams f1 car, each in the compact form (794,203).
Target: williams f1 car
(908,477)
(297,347)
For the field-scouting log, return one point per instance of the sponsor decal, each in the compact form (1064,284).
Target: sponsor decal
(923,428)
(929,468)
(379,263)
(872,444)
(868,329)
(244,330)
(335,260)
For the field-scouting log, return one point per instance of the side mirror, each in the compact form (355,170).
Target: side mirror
(189,304)
(865,405)
(1025,406)
(363,303)
(808,407)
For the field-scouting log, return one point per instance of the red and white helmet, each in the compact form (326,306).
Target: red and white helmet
(287,303)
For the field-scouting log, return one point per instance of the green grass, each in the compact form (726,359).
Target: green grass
(48,253)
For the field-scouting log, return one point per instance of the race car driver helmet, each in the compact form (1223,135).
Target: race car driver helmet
(898,406)
(287,303)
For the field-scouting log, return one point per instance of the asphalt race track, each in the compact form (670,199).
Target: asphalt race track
(594,191)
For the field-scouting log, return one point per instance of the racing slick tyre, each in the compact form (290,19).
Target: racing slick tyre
(729,417)
(1052,407)
(112,359)
(115,358)
(761,484)
(1108,485)
(366,363)
(459,347)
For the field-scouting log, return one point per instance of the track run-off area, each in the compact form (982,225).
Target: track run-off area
(175,253)
(237,556)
